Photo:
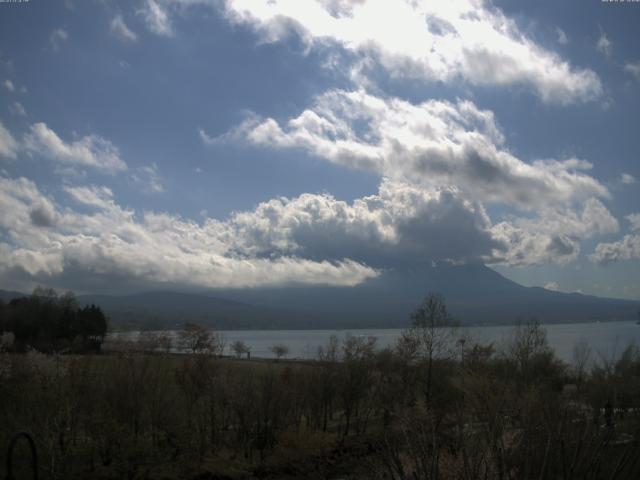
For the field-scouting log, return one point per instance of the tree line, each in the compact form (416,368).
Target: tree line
(49,322)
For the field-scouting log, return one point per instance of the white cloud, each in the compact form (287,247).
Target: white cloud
(206,139)
(432,41)
(90,151)
(120,29)
(148,178)
(399,225)
(57,38)
(554,236)
(627,179)
(604,45)
(18,109)
(98,197)
(527,247)
(433,144)
(156,18)
(432,157)
(633,68)
(310,239)
(553,286)
(626,249)
(110,243)
(562,36)
(9,86)
(634,220)
(25,212)
(8,145)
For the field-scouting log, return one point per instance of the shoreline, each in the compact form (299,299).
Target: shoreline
(377,328)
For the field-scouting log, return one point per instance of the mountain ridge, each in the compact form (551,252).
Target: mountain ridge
(475,294)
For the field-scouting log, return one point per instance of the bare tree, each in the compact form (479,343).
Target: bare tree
(165,343)
(325,381)
(431,334)
(148,342)
(530,352)
(581,359)
(240,348)
(199,339)
(279,350)
(356,378)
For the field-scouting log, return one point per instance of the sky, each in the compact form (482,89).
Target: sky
(203,144)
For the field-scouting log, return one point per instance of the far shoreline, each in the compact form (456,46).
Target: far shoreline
(178,327)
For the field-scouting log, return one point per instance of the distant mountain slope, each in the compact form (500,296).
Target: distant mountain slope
(6,295)
(475,294)
(173,309)
(162,310)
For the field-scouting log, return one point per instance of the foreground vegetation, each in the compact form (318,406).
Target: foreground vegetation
(432,407)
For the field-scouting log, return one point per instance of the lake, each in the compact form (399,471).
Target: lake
(606,339)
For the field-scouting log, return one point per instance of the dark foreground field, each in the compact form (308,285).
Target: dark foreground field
(412,412)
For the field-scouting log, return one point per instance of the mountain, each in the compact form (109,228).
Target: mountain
(6,295)
(172,309)
(475,294)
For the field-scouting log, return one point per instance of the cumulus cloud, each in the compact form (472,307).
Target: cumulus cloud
(626,249)
(399,225)
(43,213)
(9,86)
(310,239)
(432,144)
(148,179)
(627,179)
(156,18)
(562,36)
(633,68)
(634,220)
(206,138)
(449,147)
(439,162)
(433,41)
(553,236)
(98,197)
(604,45)
(45,242)
(18,109)
(121,30)
(8,145)
(90,151)
(57,38)
(25,212)
(553,286)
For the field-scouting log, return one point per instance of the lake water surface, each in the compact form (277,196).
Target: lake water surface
(607,339)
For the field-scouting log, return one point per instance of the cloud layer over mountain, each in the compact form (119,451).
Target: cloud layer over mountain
(407,93)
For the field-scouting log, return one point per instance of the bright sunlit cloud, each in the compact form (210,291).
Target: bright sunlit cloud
(209,144)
